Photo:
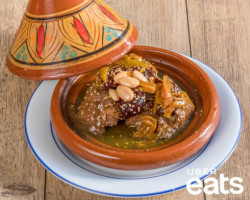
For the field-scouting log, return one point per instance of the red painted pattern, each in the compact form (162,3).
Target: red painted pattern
(110,15)
(82,31)
(40,40)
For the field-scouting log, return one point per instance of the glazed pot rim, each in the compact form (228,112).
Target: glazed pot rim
(204,131)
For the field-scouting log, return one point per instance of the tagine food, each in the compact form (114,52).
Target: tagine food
(130,105)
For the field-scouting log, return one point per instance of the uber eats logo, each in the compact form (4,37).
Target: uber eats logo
(213,185)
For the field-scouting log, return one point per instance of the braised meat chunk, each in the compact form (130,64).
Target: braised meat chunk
(96,112)
(166,126)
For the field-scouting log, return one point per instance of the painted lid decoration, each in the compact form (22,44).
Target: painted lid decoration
(62,38)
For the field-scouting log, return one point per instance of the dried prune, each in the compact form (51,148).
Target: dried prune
(134,106)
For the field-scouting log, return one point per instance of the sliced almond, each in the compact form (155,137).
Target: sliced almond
(129,82)
(125,93)
(113,94)
(139,75)
(120,75)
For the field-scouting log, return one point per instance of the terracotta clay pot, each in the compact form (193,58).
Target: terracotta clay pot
(189,142)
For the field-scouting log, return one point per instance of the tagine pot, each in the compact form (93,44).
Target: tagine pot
(191,140)
(61,38)
(66,39)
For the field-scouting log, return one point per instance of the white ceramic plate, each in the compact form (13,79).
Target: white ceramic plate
(61,162)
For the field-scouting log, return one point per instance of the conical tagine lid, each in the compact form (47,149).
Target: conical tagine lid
(63,38)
